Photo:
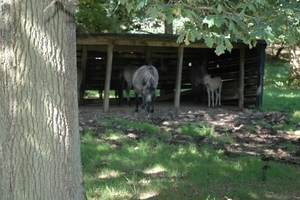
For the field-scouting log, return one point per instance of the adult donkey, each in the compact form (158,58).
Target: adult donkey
(145,81)
(198,70)
(126,75)
(213,85)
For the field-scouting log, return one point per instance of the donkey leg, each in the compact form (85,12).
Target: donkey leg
(217,97)
(220,89)
(136,102)
(100,93)
(152,107)
(128,97)
(212,98)
(120,91)
(148,107)
(208,96)
(143,102)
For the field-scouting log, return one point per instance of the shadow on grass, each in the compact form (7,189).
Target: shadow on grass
(119,166)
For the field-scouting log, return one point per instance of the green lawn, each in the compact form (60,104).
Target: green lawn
(277,95)
(118,166)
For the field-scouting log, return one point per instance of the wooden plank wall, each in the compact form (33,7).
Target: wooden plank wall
(226,66)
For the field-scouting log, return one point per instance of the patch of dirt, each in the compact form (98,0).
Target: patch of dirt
(244,126)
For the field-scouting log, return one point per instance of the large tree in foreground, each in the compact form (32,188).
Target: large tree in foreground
(39,140)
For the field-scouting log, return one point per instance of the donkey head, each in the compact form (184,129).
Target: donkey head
(206,79)
(149,90)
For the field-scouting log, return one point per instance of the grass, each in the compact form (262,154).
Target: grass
(151,168)
(278,96)
(117,167)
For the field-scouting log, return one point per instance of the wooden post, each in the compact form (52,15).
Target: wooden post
(148,59)
(83,70)
(242,78)
(260,81)
(108,77)
(178,77)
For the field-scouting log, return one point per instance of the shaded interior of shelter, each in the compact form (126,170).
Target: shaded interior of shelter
(227,66)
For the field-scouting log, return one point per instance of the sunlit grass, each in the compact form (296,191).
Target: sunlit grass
(278,96)
(295,116)
(151,168)
(194,130)
(278,99)
(277,73)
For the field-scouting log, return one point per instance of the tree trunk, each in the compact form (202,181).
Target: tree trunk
(39,140)
(276,57)
(168,28)
(294,65)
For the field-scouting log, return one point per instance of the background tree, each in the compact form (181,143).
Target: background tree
(39,140)
(97,16)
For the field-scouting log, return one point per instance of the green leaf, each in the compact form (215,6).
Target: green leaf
(220,49)
(220,8)
(242,14)
(219,20)
(209,20)
(129,7)
(122,1)
(209,41)
(228,44)
(254,42)
(233,29)
(191,36)
(153,12)
(170,18)
(180,38)
(252,8)
(140,5)
(239,22)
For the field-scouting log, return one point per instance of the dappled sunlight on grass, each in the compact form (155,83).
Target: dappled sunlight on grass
(148,195)
(276,73)
(149,168)
(277,95)
(194,130)
(278,99)
(154,170)
(108,174)
(295,117)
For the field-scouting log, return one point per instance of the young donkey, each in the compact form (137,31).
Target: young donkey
(213,85)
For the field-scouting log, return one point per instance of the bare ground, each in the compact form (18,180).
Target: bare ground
(244,126)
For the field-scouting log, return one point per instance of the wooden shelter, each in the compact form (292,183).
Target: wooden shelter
(102,56)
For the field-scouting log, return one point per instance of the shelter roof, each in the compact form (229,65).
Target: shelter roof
(169,40)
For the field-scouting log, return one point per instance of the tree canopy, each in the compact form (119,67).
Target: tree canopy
(217,22)
(220,22)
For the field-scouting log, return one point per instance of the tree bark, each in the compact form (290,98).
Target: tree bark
(39,140)
(168,28)
(276,57)
(294,65)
